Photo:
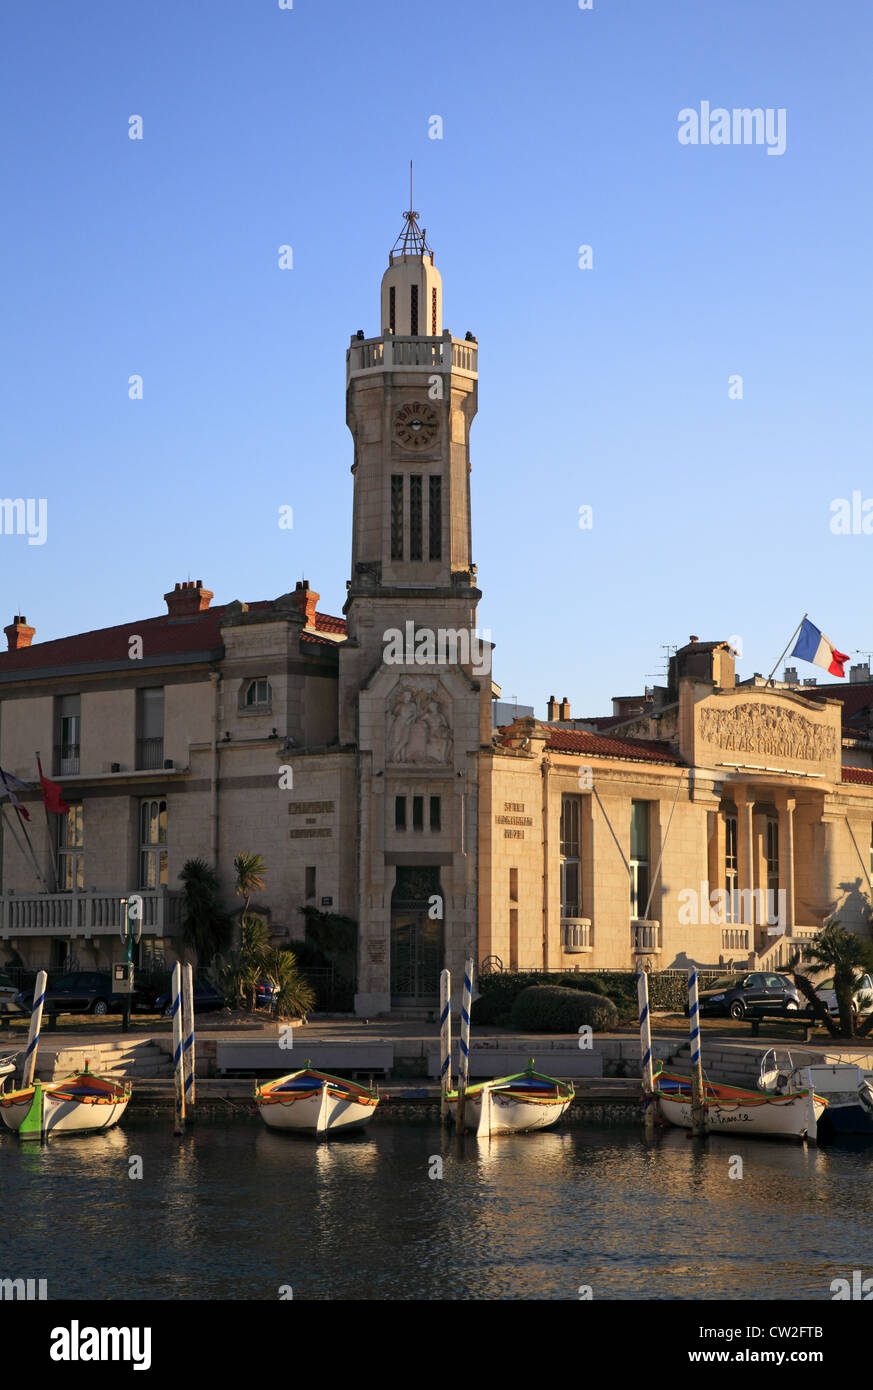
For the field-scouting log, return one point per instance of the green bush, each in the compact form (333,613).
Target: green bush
(553,1009)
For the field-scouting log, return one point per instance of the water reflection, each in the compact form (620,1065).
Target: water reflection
(408,1211)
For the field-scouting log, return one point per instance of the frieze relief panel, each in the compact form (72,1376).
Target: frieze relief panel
(766,730)
(418,724)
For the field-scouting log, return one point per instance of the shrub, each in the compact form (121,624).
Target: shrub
(553,1009)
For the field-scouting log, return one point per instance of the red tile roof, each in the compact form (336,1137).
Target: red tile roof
(856,699)
(596,745)
(862,775)
(194,636)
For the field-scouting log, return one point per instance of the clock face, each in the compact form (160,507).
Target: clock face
(416,425)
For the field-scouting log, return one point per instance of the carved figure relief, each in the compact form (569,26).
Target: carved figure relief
(418,724)
(760,728)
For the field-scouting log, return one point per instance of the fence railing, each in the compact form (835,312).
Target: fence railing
(86,914)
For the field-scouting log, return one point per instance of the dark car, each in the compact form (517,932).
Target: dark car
(206,999)
(758,992)
(87,992)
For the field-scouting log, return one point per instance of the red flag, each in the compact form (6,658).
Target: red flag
(52,794)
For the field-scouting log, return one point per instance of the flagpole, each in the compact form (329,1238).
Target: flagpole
(52,855)
(788,644)
(39,876)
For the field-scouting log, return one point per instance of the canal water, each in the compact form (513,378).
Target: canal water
(232,1211)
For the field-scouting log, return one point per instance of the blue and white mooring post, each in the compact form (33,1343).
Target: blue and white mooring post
(698,1108)
(464,1043)
(188,1035)
(445,1040)
(646,1069)
(178,1052)
(29,1066)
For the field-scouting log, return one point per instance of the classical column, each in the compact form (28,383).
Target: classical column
(786,805)
(744,800)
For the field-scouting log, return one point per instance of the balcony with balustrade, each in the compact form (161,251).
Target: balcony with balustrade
(390,353)
(25,916)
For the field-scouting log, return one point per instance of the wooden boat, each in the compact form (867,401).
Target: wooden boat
(314,1102)
(78,1104)
(846,1088)
(733,1110)
(8,1065)
(513,1104)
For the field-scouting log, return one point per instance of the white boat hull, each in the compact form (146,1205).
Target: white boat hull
(794,1117)
(509,1114)
(65,1116)
(314,1114)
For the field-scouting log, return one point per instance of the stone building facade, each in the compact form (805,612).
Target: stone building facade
(712,820)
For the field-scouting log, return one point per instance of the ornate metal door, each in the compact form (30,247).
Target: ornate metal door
(416,937)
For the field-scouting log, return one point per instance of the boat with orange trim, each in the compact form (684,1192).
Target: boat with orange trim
(734,1110)
(513,1104)
(314,1102)
(79,1104)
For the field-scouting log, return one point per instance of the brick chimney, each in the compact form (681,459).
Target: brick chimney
(552,709)
(188,599)
(18,634)
(307,599)
(564,709)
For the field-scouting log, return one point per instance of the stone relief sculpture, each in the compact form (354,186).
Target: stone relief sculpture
(418,725)
(760,728)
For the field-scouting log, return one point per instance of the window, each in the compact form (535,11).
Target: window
(639,857)
(259,694)
(418,813)
(435,813)
(71,850)
(570,856)
(400,813)
(397,516)
(153,844)
(413,310)
(309,881)
(150,741)
(772,908)
(513,885)
(435,516)
(433,312)
(69,732)
(415,514)
(730,869)
(392,302)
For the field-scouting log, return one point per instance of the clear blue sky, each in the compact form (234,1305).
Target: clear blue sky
(606,387)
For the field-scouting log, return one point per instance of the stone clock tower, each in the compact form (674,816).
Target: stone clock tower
(415,680)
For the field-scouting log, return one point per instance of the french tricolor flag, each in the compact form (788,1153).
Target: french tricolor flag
(812,645)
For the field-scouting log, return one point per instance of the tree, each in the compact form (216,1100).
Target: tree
(840,953)
(295,994)
(250,871)
(207,928)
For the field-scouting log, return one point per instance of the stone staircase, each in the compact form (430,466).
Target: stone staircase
(144,1059)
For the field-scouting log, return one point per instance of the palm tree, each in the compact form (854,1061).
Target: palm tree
(295,994)
(840,953)
(250,871)
(207,928)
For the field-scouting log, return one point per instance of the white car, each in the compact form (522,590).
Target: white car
(863,993)
(8,991)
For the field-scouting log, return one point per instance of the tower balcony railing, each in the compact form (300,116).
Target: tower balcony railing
(412,354)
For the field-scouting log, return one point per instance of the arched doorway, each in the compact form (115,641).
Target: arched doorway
(416,936)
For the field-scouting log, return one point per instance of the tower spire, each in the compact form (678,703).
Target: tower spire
(412,240)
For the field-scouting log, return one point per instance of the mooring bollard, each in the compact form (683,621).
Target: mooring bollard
(646,1072)
(188,1034)
(445,1041)
(698,1107)
(178,1052)
(464,1044)
(29,1066)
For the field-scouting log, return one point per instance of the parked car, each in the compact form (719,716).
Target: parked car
(8,996)
(755,993)
(206,999)
(265,994)
(88,992)
(863,988)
